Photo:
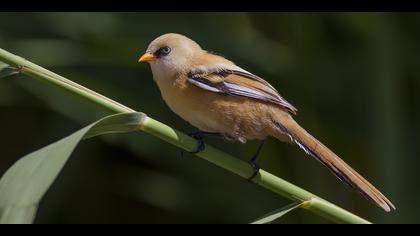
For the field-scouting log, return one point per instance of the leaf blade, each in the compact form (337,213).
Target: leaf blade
(276,214)
(26,182)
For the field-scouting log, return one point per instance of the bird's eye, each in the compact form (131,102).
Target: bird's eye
(166,50)
(163,51)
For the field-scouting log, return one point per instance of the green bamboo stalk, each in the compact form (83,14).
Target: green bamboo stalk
(271,182)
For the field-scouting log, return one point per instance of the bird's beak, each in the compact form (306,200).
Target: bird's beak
(147,57)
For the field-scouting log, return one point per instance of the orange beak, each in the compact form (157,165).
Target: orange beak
(147,57)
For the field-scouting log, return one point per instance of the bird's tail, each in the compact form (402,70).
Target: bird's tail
(338,167)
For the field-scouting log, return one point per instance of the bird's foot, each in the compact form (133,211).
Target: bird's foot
(199,136)
(253,163)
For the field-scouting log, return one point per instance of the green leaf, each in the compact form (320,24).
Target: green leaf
(274,215)
(26,182)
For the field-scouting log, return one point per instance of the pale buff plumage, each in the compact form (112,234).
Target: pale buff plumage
(204,103)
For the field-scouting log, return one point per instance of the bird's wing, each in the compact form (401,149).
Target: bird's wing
(238,83)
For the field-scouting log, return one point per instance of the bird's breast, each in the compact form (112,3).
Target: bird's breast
(191,105)
(236,117)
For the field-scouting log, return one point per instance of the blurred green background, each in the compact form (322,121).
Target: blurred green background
(353,76)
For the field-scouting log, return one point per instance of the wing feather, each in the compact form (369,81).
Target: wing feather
(238,83)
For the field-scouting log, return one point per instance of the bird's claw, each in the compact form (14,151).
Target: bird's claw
(255,167)
(201,146)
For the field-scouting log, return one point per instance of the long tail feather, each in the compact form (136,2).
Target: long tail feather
(336,165)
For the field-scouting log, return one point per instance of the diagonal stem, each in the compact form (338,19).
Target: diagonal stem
(269,181)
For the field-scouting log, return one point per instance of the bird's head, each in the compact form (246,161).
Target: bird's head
(170,54)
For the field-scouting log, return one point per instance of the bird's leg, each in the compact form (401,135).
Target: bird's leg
(199,136)
(253,161)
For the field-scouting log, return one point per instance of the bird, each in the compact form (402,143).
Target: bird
(220,98)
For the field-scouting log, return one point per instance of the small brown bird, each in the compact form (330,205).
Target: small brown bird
(218,97)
